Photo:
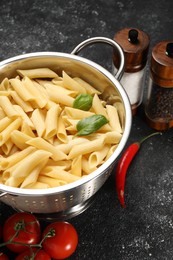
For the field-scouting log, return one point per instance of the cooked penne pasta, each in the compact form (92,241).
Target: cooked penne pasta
(21,91)
(7,107)
(38,119)
(85,148)
(76,167)
(39,143)
(30,86)
(51,121)
(89,89)
(7,162)
(113,118)
(42,144)
(95,158)
(61,131)
(19,101)
(6,133)
(71,84)
(38,73)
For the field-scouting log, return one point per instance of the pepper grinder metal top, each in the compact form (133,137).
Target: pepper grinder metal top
(159,104)
(135,44)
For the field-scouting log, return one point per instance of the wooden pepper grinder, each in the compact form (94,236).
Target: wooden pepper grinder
(135,44)
(159,104)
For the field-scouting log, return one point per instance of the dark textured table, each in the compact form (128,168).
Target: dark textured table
(144,230)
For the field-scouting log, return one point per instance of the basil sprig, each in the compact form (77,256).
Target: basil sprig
(83,102)
(90,124)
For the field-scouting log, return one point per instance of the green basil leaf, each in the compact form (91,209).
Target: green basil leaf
(90,124)
(83,102)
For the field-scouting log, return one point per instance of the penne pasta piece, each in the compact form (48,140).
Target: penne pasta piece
(61,131)
(113,137)
(5,85)
(76,167)
(71,84)
(42,144)
(60,97)
(76,113)
(13,159)
(6,133)
(96,158)
(30,86)
(85,148)
(21,90)
(89,89)
(120,110)
(73,142)
(7,146)
(59,89)
(98,107)
(13,181)
(111,151)
(19,101)
(60,175)
(37,185)
(29,163)
(19,139)
(13,150)
(4,93)
(113,118)
(65,164)
(51,121)
(33,176)
(38,119)
(8,107)
(86,166)
(50,168)
(26,129)
(38,73)
(4,122)
(2,114)
(24,116)
(51,181)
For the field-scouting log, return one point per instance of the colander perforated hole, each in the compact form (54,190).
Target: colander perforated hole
(83,195)
(34,203)
(42,204)
(71,197)
(89,191)
(27,202)
(64,200)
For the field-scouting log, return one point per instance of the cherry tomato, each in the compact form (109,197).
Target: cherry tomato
(3,256)
(61,240)
(38,255)
(23,228)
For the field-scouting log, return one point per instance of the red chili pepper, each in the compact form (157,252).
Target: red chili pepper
(123,165)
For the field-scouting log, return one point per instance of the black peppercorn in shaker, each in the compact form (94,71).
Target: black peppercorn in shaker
(135,44)
(159,103)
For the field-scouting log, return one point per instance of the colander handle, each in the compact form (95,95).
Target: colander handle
(118,75)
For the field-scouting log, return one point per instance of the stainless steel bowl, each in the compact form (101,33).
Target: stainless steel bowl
(71,199)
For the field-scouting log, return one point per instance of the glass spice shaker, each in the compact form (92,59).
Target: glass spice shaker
(135,44)
(159,103)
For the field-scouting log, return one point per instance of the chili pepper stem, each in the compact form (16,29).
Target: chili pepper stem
(148,136)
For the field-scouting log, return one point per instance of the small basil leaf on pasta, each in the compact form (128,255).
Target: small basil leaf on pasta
(83,102)
(90,124)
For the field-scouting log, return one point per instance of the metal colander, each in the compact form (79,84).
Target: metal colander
(71,199)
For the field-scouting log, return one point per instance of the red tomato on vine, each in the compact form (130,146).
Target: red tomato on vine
(22,228)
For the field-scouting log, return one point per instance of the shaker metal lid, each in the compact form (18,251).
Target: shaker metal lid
(162,63)
(135,44)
